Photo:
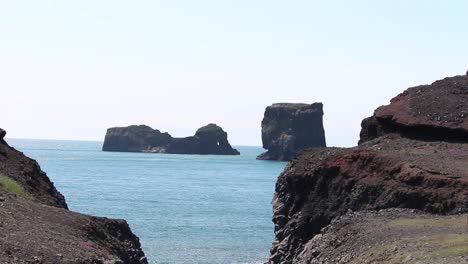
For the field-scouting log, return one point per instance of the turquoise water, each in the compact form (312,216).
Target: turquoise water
(184,208)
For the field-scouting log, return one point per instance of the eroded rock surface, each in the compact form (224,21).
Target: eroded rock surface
(36,227)
(27,172)
(387,172)
(428,112)
(389,236)
(413,154)
(210,139)
(288,128)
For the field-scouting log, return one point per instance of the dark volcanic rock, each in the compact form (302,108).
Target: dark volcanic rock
(29,175)
(38,228)
(389,236)
(210,139)
(412,154)
(288,128)
(428,112)
(387,172)
(35,233)
(136,139)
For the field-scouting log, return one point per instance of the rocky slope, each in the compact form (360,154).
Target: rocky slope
(36,227)
(389,236)
(288,128)
(427,112)
(401,167)
(27,172)
(210,139)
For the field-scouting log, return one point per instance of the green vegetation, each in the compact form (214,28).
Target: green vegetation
(452,222)
(12,186)
(450,245)
(373,254)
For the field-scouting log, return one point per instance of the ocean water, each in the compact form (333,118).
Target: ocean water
(184,208)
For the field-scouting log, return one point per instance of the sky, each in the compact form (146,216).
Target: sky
(71,69)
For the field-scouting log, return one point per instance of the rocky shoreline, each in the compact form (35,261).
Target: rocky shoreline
(37,227)
(412,154)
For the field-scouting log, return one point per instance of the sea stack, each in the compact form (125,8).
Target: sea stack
(210,139)
(288,128)
(357,205)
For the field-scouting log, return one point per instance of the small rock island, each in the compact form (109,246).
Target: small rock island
(288,128)
(210,139)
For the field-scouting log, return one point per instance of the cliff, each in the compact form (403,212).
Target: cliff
(395,166)
(288,128)
(36,226)
(29,175)
(210,139)
(427,112)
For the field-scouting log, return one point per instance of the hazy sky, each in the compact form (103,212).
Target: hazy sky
(71,69)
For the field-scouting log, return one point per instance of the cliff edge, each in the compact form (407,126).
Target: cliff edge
(410,156)
(36,226)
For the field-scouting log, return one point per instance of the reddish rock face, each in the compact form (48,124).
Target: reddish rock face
(413,153)
(429,112)
(388,172)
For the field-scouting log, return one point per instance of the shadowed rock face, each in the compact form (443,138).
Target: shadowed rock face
(413,154)
(429,112)
(29,175)
(39,229)
(388,172)
(288,128)
(210,139)
(135,139)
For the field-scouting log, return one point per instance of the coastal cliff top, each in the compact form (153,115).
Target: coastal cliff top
(390,236)
(444,103)
(439,159)
(428,112)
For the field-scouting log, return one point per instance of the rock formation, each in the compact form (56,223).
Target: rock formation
(288,128)
(36,226)
(412,154)
(29,175)
(210,139)
(427,112)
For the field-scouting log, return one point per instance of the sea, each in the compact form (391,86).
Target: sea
(185,208)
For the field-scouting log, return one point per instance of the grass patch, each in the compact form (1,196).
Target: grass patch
(451,245)
(373,253)
(12,186)
(450,222)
